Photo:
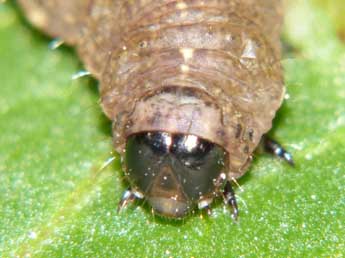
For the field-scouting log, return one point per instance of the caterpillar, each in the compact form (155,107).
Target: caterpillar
(190,86)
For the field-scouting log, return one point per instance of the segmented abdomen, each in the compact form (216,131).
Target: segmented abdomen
(228,50)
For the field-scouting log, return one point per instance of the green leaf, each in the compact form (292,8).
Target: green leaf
(56,201)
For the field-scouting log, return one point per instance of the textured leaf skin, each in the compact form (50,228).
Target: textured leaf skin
(54,139)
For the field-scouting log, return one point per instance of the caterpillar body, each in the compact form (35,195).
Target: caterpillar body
(190,86)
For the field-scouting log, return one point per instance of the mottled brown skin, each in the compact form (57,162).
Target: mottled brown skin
(225,54)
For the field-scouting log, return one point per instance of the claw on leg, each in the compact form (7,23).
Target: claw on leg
(55,43)
(230,199)
(127,197)
(80,74)
(208,210)
(205,205)
(273,147)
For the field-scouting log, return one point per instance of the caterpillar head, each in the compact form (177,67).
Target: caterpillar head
(169,162)
(174,170)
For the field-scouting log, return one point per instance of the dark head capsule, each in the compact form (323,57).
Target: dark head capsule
(173,171)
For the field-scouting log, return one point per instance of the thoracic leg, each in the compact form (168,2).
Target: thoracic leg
(127,197)
(205,205)
(273,147)
(230,199)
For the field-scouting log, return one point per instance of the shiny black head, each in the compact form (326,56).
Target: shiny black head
(173,171)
